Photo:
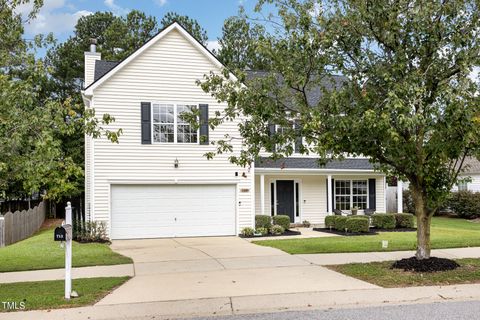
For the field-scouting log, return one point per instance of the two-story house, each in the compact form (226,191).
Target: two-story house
(156,181)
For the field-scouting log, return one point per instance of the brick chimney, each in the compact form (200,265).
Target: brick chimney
(90,58)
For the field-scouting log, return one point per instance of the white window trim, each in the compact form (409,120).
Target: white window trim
(175,125)
(277,126)
(351,193)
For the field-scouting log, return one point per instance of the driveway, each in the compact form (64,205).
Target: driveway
(196,268)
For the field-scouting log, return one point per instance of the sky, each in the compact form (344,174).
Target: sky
(60,16)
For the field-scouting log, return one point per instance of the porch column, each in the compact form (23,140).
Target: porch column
(329,200)
(399,196)
(262,194)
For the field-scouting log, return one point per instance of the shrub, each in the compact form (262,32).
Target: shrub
(330,221)
(357,224)
(247,232)
(404,220)
(89,231)
(466,204)
(340,223)
(282,220)
(277,230)
(383,220)
(261,231)
(263,221)
(306,224)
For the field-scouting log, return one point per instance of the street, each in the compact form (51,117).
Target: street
(431,311)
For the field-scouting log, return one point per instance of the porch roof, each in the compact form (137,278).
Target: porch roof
(313,163)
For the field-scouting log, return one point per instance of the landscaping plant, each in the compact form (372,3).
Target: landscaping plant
(261,231)
(247,232)
(277,230)
(340,223)
(282,220)
(384,220)
(404,220)
(357,224)
(465,204)
(263,221)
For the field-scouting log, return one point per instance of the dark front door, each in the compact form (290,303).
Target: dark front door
(286,198)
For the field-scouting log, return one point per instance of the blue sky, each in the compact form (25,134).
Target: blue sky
(60,16)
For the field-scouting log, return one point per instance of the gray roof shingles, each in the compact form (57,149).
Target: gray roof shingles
(313,163)
(102,67)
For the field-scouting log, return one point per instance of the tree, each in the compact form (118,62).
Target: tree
(33,122)
(238,45)
(191,25)
(405,98)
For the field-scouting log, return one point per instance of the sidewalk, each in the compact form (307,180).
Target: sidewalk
(119,270)
(324,259)
(258,304)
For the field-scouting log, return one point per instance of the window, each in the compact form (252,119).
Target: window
(297,200)
(351,193)
(185,132)
(342,194)
(462,186)
(359,194)
(169,126)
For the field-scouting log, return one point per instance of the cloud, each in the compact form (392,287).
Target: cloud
(116,9)
(160,3)
(213,45)
(475,75)
(55,16)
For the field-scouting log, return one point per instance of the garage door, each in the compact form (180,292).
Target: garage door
(153,211)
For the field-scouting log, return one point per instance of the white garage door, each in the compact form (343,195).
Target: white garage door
(153,211)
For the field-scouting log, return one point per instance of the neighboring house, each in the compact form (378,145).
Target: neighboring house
(472,173)
(156,181)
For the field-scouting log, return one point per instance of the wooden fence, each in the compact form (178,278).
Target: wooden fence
(21,224)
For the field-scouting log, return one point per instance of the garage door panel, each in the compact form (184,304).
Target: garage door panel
(151,211)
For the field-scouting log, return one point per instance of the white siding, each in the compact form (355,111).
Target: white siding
(313,194)
(473,185)
(165,72)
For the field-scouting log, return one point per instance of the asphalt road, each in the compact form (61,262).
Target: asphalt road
(433,311)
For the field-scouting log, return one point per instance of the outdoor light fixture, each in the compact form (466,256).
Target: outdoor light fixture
(175,163)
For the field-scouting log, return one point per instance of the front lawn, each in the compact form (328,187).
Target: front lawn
(50,294)
(445,233)
(381,274)
(41,252)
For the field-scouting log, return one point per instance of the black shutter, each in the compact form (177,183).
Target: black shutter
(146,122)
(298,137)
(204,139)
(372,199)
(333,195)
(271,133)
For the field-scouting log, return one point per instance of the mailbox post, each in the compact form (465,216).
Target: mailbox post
(68,250)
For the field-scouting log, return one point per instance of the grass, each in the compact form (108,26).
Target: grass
(445,233)
(379,273)
(41,252)
(50,294)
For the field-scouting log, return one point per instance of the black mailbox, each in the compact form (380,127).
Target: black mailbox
(60,234)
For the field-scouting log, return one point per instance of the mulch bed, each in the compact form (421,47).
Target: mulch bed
(395,230)
(286,233)
(426,265)
(372,232)
(340,233)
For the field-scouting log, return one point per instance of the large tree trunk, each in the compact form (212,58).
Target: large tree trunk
(423,224)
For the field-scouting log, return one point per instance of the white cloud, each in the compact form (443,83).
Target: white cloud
(213,45)
(52,17)
(116,9)
(160,3)
(475,75)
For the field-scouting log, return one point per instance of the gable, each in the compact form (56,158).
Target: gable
(175,30)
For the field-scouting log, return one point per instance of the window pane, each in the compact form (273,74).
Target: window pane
(360,192)
(185,132)
(342,194)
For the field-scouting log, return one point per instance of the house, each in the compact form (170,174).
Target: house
(156,182)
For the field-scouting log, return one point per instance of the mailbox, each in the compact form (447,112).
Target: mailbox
(60,234)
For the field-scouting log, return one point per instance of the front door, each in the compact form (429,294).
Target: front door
(286,198)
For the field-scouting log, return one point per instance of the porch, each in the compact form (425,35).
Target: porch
(301,189)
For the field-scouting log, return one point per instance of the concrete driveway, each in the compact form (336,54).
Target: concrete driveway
(196,268)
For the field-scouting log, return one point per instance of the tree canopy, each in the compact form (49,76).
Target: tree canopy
(394,84)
